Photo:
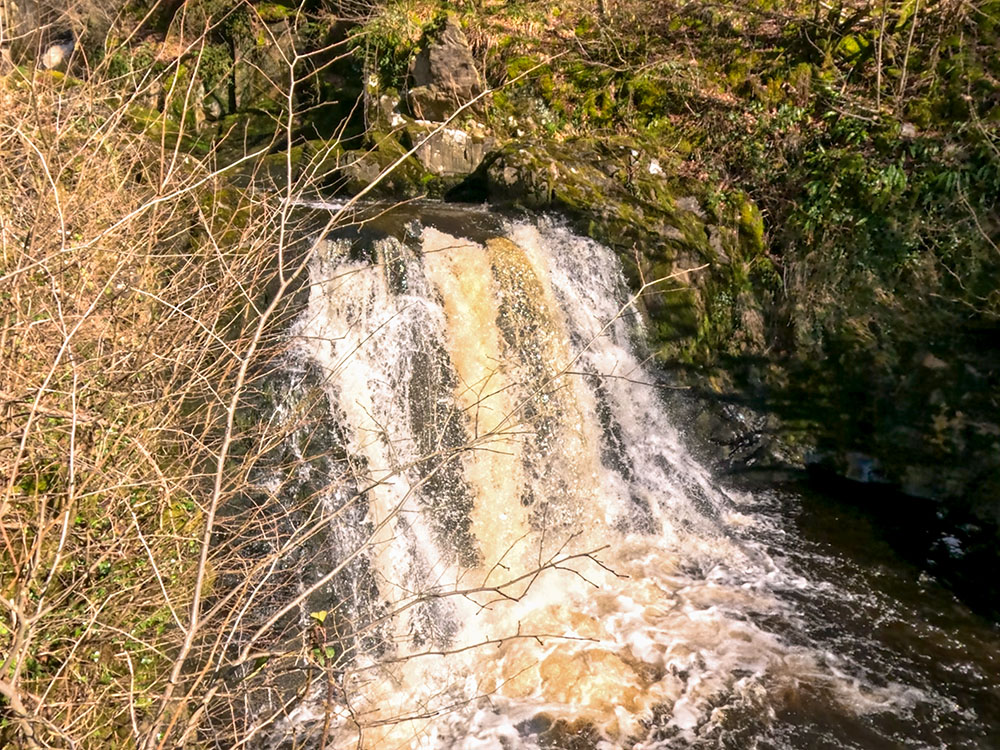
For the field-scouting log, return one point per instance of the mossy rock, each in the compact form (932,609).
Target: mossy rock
(751,228)
(273,12)
(162,126)
(361,167)
(625,192)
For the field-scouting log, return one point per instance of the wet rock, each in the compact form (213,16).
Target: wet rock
(701,300)
(386,108)
(360,167)
(443,75)
(214,109)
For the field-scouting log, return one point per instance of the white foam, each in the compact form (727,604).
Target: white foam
(662,617)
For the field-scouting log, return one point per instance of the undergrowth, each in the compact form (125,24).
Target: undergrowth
(142,297)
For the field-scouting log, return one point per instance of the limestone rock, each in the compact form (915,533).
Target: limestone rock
(450,152)
(261,73)
(443,75)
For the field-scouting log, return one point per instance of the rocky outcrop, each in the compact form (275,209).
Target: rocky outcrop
(912,407)
(703,264)
(448,152)
(262,67)
(359,168)
(443,75)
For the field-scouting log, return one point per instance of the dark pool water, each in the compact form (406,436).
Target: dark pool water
(875,603)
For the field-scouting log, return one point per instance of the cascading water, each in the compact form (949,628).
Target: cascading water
(542,557)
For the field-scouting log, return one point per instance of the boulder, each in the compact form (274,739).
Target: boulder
(360,167)
(57,54)
(261,75)
(449,152)
(443,75)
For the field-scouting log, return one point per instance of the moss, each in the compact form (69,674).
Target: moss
(920,112)
(273,12)
(852,46)
(228,211)
(605,186)
(800,82)
(751,228)
(322,157)
(675,319)
(237,133)
(521,65)
(178,104)
(274,167)
(161,126)
(214,66)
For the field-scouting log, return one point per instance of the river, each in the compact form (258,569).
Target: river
(519,549)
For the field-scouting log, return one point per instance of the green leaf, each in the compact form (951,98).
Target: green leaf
(258,665)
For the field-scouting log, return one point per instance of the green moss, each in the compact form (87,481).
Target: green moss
(737,73)
(521,65)
(228,211)
(751,228)
(321,157)
(275,166)
(852,46)
(237,133)
(214,66)
(161,126)
(178,104)
(273,12)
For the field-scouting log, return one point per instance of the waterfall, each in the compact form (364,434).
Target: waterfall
(539,549)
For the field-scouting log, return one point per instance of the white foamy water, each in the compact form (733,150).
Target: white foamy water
(546,548)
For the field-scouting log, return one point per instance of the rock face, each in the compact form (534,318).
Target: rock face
(262,69)
(450,152)
(443,75)
(618,192)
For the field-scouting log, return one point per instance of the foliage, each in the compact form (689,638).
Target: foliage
(138,289)
(388,40)
(137,273)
